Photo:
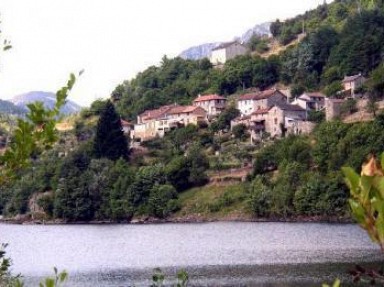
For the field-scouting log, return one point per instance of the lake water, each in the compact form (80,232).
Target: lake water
(214,254)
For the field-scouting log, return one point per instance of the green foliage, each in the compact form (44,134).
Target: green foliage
(333,88)
(361,41)
(348,107)
(110,141)
(260,197)
(258,44)
(376,82)
(224,120)
(35,135)
(305,63)
(162,200)
(6,278)
(187,171)
(316,116)
(240,131)
(292,148)
(335,284)
(367,198)
(56,281)
(95,109)
(180,81)
(158,278)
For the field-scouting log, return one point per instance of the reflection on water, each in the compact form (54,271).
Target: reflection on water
(215,254)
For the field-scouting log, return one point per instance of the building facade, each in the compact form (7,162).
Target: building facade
(212,104)
(252,102)
(352,83)
(311,101)
(227,51)
(156,123)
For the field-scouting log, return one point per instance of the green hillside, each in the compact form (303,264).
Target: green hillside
(342,38)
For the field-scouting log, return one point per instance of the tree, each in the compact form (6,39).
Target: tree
(110,141)
(276,28)
(240,131)
(376,82)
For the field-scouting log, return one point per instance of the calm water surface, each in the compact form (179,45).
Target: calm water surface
(215,254)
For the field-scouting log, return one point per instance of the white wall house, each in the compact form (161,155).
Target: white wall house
(227,51)
(157,122)
(212,104)
(311,101)
(252,102)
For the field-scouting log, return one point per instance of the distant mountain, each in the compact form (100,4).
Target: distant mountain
(204,50)
(199,52)
(49,100)
(260,30)
(7,107)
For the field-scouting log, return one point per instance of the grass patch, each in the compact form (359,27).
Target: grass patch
(215,202)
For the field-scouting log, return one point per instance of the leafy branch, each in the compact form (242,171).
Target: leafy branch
(33,135)
(367,198)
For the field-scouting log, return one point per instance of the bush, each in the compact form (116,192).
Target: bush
(161,201)
(260,199)
(46,203)
(240,131)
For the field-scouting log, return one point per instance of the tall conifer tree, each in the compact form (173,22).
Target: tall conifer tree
(110,141)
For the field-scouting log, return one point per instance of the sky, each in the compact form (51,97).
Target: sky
(113,40)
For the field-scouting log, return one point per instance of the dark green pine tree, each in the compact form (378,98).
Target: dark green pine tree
(110,141)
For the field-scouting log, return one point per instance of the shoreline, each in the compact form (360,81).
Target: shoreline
(181,220)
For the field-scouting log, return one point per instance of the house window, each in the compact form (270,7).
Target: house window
(275,121)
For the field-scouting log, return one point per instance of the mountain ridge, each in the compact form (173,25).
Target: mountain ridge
(202,51)
(48,99)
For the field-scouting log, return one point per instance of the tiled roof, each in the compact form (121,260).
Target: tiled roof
(260,112)
(351,78)
(209,98)
(289,107)
(182,109)
(316,95)
(156,113)
(260,95)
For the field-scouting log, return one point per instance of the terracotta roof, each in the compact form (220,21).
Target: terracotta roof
(182,109)
(260,112)
(191,109)
(225,45)
(126,123)
(209,98)
(289,107)
(260,95)
(351,78)
(156,113)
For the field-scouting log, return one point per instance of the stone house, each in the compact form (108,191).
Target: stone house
(284,116)
(352,83)
(333,108)
(311,101)
(227,51)
(252,102)
(279,119)
(187,115)
(212,104)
